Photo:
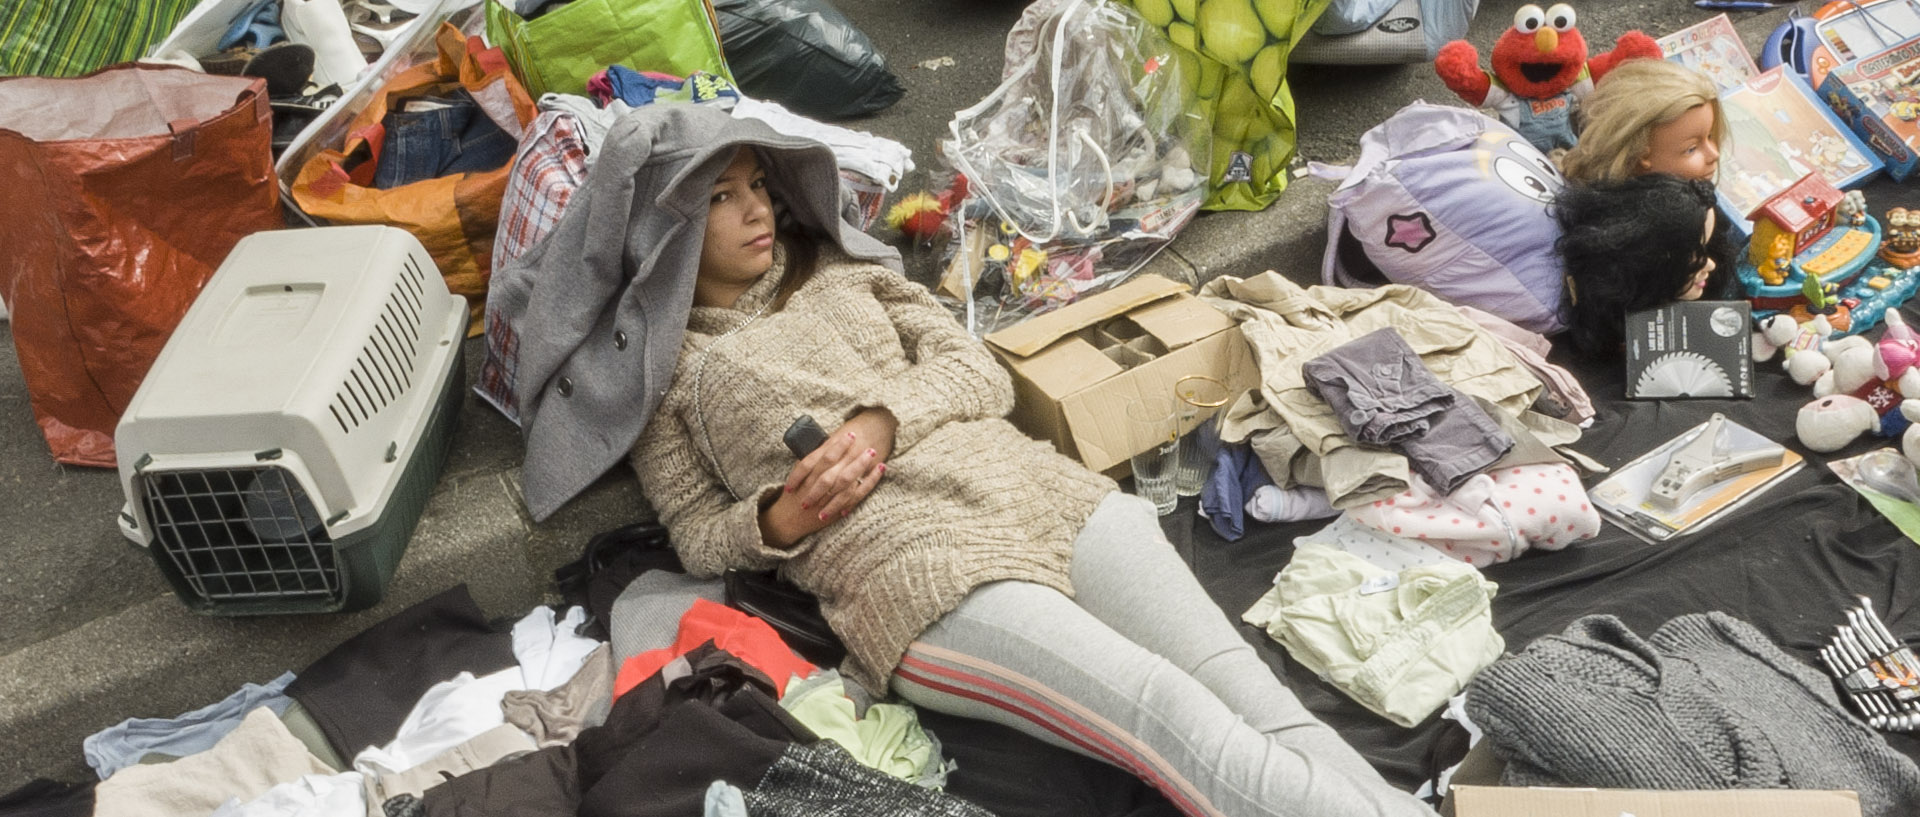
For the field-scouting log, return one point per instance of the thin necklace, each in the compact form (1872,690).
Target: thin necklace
(699,376)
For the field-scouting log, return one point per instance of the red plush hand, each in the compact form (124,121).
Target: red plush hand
(1458,65)
(1631,45)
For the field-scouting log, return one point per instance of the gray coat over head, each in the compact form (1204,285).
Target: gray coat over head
(600,305)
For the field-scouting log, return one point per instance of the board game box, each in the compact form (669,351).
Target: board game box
(1777,132)
(1713,48)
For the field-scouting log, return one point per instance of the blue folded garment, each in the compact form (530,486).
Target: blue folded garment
(257,27)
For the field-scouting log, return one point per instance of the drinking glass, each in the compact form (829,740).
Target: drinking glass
(1153,421)
(1199,436)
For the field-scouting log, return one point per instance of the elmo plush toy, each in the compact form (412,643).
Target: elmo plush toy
(1540,71)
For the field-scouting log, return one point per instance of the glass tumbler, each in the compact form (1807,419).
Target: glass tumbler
(1199,435)
(1153,422)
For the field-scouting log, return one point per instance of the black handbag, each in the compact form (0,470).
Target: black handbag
(792,612)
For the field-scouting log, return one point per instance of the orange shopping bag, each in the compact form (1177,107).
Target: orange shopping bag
(120,192)
(453,216)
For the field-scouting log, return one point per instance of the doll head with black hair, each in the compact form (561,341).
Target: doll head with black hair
(1635,244)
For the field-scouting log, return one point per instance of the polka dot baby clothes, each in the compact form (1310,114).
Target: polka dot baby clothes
(1493,517)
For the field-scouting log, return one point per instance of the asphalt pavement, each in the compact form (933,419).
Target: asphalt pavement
(92,635)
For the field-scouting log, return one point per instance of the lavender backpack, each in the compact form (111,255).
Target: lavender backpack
(1451,201)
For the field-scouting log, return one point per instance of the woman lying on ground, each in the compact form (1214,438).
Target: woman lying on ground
(969,569)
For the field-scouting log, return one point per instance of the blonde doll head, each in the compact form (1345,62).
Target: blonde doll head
(1649,116)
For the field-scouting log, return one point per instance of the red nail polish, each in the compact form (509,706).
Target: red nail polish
(843,514)
(805,507)
(850,436)
(823,517)
(869,452)
(883,468)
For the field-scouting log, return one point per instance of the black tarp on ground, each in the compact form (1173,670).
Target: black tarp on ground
(1790,563)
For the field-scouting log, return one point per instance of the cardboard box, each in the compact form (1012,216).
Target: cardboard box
(1500,801)
(1075,369)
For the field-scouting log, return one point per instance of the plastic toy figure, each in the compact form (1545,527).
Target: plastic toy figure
(1901,246)
(1853,208)
(1818,299)
(1779,260)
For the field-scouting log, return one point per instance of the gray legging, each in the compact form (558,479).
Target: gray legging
(1141,669)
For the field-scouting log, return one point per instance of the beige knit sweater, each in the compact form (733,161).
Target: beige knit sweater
(967,498)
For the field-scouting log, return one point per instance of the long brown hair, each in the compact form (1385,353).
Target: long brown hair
(801,242)
(803,258)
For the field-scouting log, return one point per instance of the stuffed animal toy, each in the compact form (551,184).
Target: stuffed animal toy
(1910,439)
(1772,335)
(1540,71)
(922,216)
(1864,391)
(1828,424)
(919,216)
(1802,344)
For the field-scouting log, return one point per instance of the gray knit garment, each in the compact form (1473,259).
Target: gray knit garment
(1707,702)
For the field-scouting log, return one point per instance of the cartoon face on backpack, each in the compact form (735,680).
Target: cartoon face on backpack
(1518,165)
(1453,202)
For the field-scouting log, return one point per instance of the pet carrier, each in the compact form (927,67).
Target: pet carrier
(282,447)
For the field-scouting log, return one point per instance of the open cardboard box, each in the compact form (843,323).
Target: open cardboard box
(1075,369)
(1475,793)
(1500,801)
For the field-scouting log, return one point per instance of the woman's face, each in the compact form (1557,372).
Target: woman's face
(1684,147)
(739,241)
(1697,285)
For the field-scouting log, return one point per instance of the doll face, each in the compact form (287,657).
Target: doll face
(1684,147)
(1697,285)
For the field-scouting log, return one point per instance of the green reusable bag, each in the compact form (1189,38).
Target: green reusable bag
(49,39)
(558,51)
(1235,51)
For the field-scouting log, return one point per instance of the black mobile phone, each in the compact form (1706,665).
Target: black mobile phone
(804,436)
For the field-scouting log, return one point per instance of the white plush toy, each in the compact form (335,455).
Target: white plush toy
(1801,345)
(1910,440)
(1883,372)
(1830,423)
(1775,331)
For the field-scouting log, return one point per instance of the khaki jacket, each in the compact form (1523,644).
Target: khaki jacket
(1288,325)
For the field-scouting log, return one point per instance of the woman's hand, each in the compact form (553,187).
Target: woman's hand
(823,479)
(826,484)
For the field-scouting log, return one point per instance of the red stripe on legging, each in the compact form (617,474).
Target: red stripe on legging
(1086,738)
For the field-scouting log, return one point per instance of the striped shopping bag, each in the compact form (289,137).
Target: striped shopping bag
(66,38)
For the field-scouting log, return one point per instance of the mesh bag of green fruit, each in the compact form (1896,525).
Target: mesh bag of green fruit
(1235,54)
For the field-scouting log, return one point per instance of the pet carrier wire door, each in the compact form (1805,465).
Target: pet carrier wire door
(285,442)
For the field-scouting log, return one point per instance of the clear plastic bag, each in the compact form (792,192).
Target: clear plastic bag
(1079,167)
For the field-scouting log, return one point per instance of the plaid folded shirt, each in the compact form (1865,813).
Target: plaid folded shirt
(550,164)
